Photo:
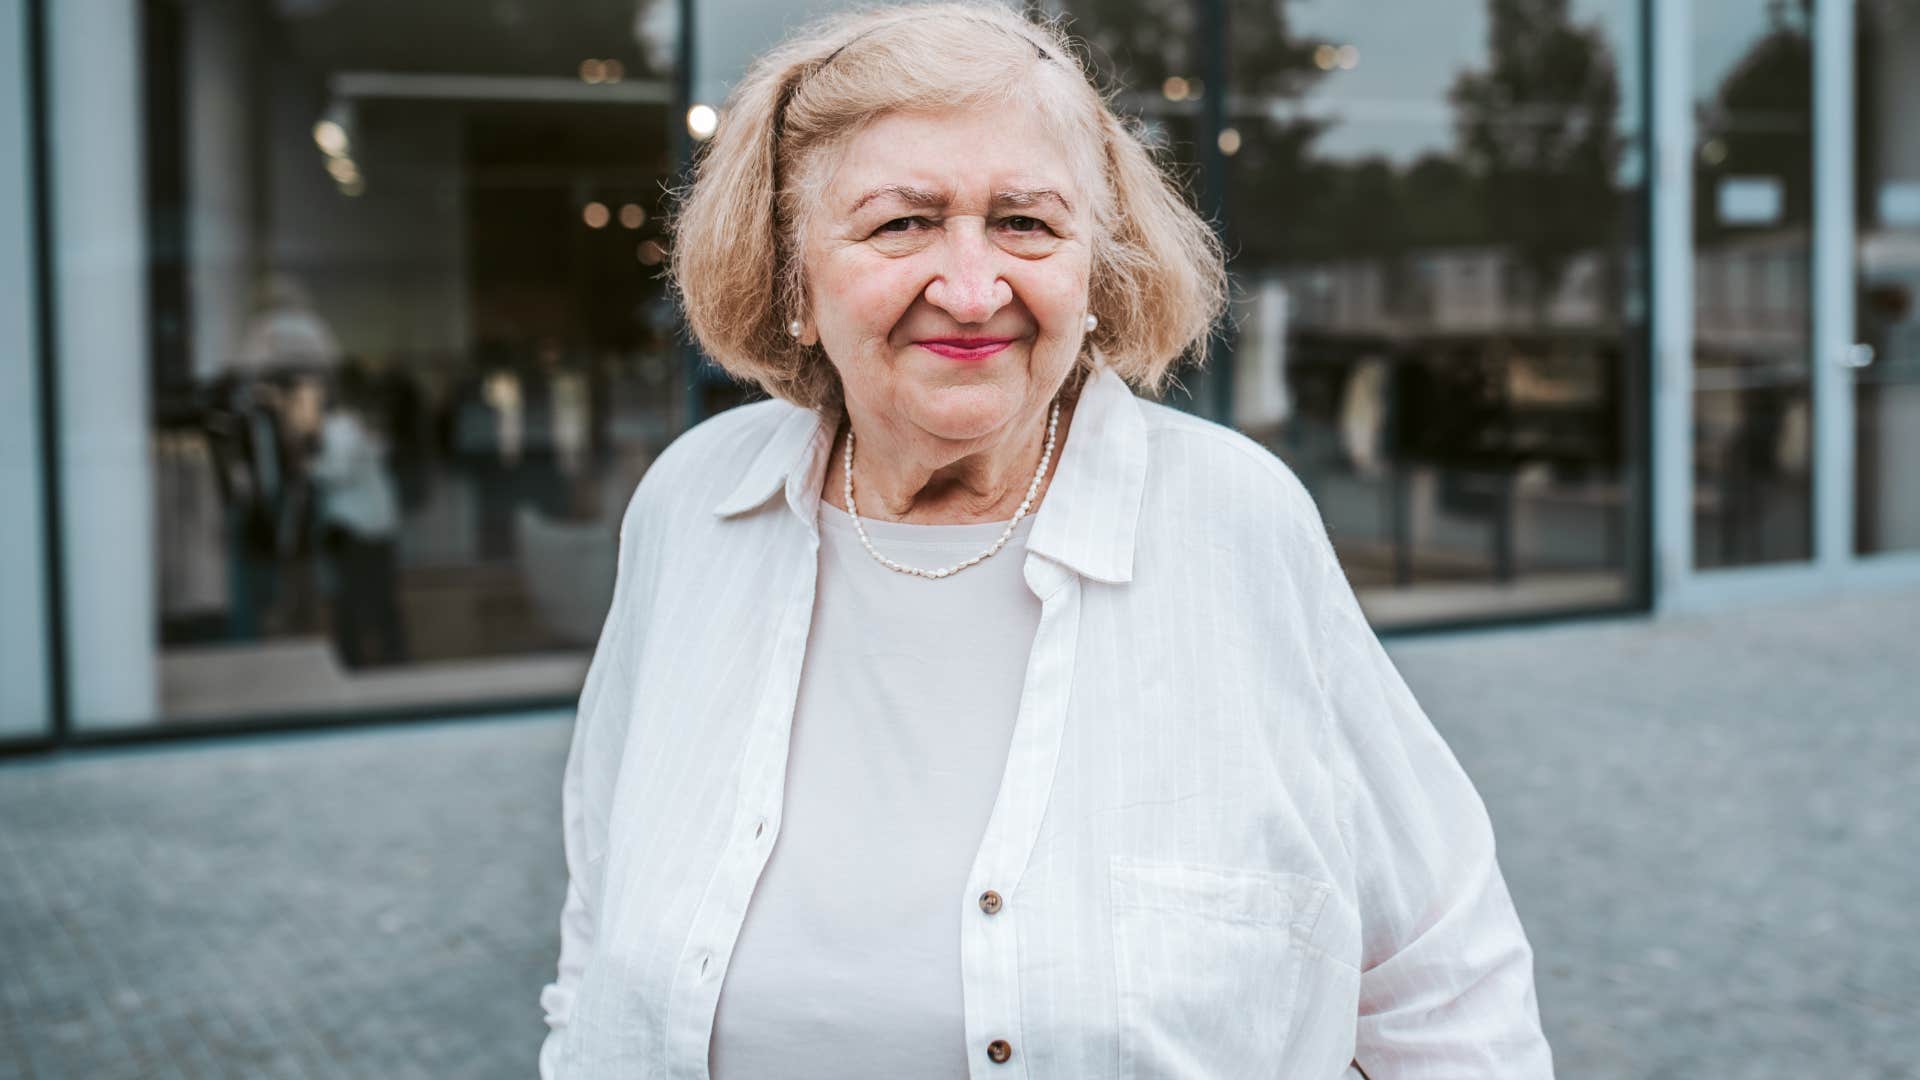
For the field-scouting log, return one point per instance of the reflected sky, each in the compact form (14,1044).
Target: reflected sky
(1723,32)
(729,33)
(1393,104)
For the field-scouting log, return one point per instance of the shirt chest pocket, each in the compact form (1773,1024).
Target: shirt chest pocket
(1207,961)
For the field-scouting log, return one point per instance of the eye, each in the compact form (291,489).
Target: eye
(901,225)
(1022,224)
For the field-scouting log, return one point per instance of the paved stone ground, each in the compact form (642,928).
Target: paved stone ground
(1708,824)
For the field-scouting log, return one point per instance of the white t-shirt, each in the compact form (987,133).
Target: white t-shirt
(848,964)
(351,469)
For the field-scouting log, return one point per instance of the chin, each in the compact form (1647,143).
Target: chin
(966,413)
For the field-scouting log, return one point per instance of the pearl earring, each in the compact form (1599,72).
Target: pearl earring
(1093,322)
(794,328)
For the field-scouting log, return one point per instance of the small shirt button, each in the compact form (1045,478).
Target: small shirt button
(999,1050)
(990,902)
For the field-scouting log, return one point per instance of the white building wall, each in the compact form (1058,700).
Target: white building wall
(100,287)
(25,710)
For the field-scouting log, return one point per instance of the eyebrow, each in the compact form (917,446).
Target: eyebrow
(912,196)
(1020,198)
(1025,199)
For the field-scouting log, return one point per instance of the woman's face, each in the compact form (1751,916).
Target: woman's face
(947,272)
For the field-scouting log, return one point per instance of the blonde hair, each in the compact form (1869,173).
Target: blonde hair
(1158,279)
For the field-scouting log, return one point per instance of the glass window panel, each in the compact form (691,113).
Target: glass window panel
(1436,216)
(1144,52)
(1150,54)
(1752,225)
(412,348)
(1887,390)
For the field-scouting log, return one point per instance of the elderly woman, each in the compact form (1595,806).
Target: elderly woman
(960,713)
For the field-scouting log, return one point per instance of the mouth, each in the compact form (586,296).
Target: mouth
(957,348)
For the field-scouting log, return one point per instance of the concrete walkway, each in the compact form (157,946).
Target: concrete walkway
(1708,824)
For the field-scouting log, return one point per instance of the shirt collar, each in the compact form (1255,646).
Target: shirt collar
(1087,522)
(796,457)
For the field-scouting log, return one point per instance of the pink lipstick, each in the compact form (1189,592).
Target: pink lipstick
(965,348)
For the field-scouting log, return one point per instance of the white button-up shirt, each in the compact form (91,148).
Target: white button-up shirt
(1227,841)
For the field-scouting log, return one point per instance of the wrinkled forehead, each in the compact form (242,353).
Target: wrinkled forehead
(957,158)
(1025,138)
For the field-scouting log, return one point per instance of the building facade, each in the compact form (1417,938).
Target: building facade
(333,334)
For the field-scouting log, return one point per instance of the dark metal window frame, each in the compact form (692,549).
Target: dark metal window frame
(59,729)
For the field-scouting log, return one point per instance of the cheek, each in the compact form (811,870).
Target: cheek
(868,295)
(1057,296)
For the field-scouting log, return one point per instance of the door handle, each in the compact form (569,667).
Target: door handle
(1856,356)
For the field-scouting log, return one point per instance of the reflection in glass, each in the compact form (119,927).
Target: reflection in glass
(411,353)
(412,348)
(1887,393)
(1435,219)
(1753,191)
(1150,54)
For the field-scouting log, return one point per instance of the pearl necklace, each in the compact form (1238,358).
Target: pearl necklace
(1046,455)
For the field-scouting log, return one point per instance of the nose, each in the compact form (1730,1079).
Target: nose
(968,286)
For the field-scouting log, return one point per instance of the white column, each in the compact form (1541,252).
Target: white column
(25,710)
(103,367)
(1833,283)
(1672,311)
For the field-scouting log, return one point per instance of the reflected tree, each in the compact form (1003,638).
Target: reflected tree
(1759,122)
(1137,45)
(1443,204)
(1537,130)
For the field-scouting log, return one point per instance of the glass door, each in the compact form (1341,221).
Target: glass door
(1793,264)
(1887,277)
(1753,164)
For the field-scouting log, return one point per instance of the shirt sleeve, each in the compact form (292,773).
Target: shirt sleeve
(1446,989)
(586,787)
